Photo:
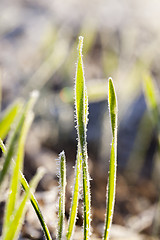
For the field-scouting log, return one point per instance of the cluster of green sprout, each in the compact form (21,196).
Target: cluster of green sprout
(15,123)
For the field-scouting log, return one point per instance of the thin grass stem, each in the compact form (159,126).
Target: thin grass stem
(62,186)
(112,100)
(81,103)
(75,197)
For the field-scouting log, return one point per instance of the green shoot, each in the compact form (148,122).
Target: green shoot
(50,65)
(151,98)
(8,117)
(14,135)
(15,223)
(8,153)
(81,103)
(74,206)
(33,200)
(152,102)
(14,186)
(62,185)
(22,117)
(36,207)
(113,161)
(2,146)
(153,107)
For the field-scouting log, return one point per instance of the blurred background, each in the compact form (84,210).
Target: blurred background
(38,50)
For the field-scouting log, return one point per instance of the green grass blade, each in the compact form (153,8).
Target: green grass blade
(10,151)
(81,103)
(62,186)
(81,98)
(23,180)
(8,117)
(75,197)
(14,186)
(86,198)
(36,208)
(33,200)
(151,97)
(16,221)
(15,133)
(50,65)
(2,146)
(113,160)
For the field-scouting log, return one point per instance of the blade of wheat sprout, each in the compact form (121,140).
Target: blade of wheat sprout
(151,97)
(8,155)
(81,102)
(152,102)
(75,197)
(113,161)
(8,117)
(12,140)
(16,221)
(14,185)
(2,146)
(62,186)
(33,200)
(50,65)
(36,207)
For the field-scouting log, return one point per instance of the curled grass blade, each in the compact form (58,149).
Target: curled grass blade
(81,103)
(113,161)
(8,117)
(14,186)
(16,221)
(62,186)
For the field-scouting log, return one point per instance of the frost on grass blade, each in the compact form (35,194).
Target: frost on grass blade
(81,107)
(81,102)
(80,96)
(112,100)
(75,197)
(62,186)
